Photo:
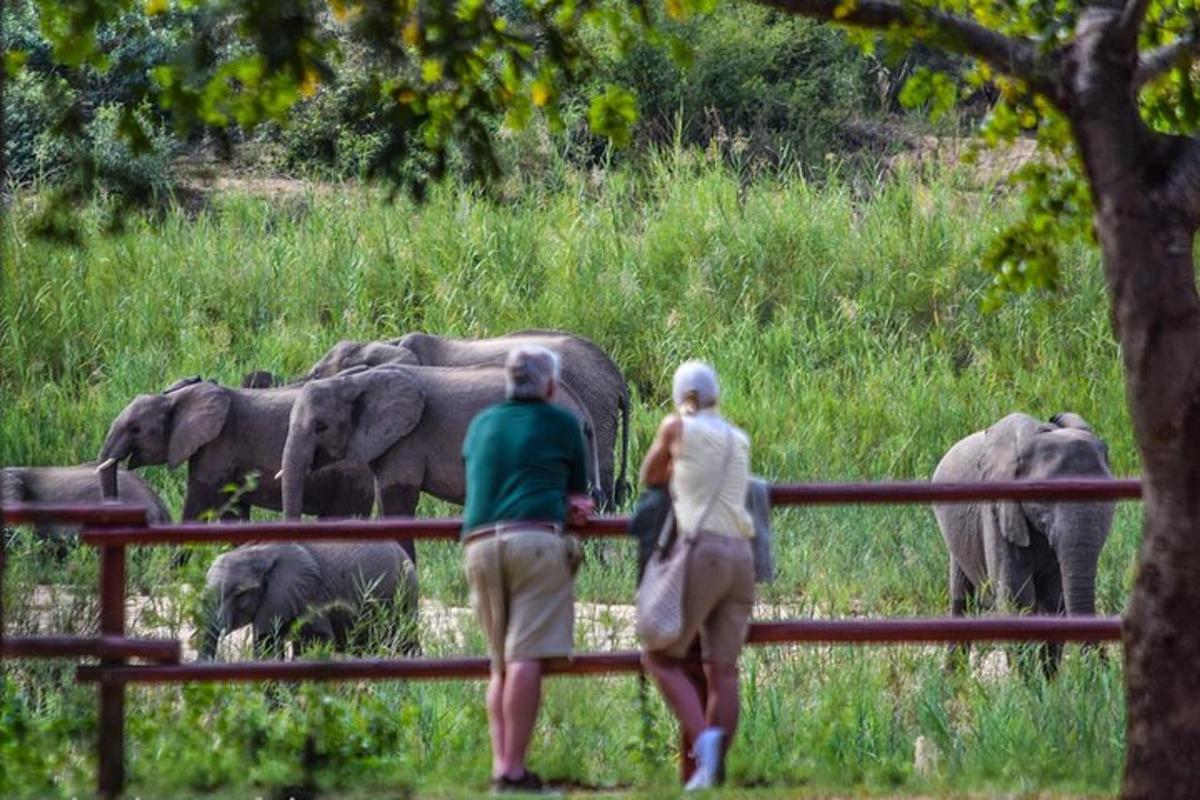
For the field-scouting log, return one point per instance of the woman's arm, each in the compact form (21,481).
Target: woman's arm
(656,468)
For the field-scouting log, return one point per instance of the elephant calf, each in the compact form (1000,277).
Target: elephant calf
(310,592)
(1029,555)
(76,484)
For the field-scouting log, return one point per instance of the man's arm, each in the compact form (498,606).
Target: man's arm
(579,502)
(656,468)
(577,478)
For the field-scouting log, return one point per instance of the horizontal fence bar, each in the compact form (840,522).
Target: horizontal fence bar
(1064,489)
(938,629)
(781,495)
(72,513)
(158,650)
(293,531)
(859,631)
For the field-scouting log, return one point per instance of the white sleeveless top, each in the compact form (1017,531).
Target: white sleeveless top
(697,481)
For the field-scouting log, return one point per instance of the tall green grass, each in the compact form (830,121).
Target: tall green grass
(844,321)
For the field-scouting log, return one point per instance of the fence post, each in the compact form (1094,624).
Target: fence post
(3,556)
(111,744)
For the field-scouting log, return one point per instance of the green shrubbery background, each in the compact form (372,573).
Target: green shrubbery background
(763,86)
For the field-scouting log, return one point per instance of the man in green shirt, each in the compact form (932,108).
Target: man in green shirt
(526,476)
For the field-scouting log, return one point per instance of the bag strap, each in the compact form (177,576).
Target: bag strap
(712,501)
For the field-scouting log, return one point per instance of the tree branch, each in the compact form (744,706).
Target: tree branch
(1131,20)
(1178,53)
(1019,58)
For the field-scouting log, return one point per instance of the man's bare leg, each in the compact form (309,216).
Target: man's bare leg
(495,710)
(522,694)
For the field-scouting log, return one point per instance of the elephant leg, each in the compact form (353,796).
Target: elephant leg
(1015,594)
(962,596)
(1047,583)
(203,498)
(399,501)
(269,644)
(318,631)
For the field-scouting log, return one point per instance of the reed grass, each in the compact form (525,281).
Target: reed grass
(843,318)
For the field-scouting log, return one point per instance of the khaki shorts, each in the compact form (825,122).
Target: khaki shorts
(718,598)
(523,594)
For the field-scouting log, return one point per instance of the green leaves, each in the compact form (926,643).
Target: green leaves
(934,90)
(613,113)
(1056,211)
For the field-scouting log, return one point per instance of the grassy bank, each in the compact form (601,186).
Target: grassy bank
(844,321)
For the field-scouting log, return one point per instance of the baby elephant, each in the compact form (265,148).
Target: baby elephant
(76,484)
(308,592)
(1029,555)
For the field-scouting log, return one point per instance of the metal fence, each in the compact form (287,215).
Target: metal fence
(113,528)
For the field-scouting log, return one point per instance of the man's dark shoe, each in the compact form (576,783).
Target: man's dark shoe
(528,783)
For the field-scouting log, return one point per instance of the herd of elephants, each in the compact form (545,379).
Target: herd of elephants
(375,424)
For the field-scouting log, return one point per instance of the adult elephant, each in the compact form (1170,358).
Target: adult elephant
(1028,555)
(224,435)
(310,592)
(585,367)
(406,423)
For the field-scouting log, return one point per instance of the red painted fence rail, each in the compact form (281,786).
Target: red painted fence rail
(114,527)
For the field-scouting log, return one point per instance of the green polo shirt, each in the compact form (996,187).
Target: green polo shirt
(522,458)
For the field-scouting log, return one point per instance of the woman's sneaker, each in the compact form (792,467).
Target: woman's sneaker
(707,750)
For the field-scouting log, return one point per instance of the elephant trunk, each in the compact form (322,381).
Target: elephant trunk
(214,622)
(210,634)
(297,458)
(114,451)
(1083,530)
(1079,585)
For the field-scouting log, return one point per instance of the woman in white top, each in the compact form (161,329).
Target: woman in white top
(706,461)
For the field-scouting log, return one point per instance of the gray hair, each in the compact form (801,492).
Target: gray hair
(529,372)
(695,387)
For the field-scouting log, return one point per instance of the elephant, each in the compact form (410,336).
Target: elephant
(406,423)
(77,484)
(307,592)
(1028,555)
(585,367)
(225,434)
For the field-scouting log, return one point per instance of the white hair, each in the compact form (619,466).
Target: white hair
(695,387)
(530,371)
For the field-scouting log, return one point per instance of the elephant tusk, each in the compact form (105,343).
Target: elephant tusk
(110,462)
(279,475)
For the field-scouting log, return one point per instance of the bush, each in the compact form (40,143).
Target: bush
(781,85)
(43,101)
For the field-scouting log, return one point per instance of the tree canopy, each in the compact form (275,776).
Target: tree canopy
(445,77)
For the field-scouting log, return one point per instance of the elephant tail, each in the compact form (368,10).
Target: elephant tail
(621,490)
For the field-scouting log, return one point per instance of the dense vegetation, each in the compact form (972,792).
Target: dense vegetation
(763,85)
(844,319)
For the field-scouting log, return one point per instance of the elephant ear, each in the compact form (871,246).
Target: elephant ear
(388,405)
(197,415)
(1006,453)
(378,353)
(291,583)
(1069,419)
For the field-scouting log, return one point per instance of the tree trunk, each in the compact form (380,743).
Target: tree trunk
(1156,312)
(1144,190)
